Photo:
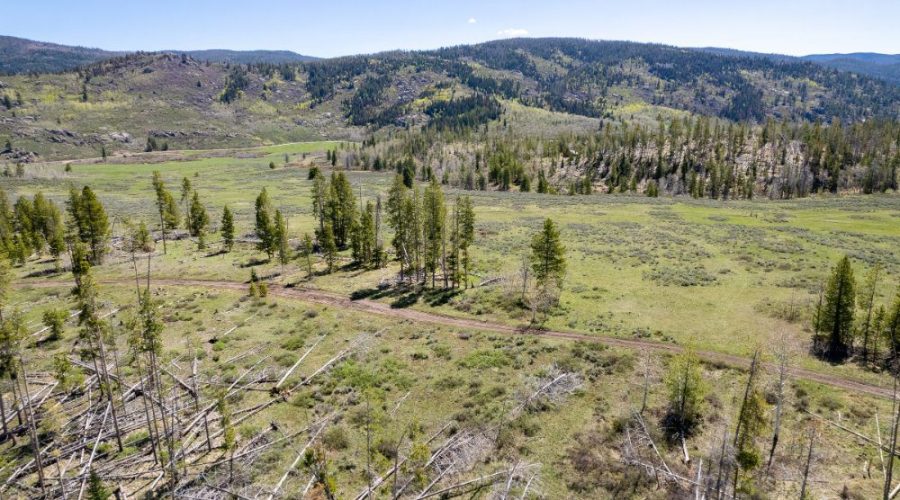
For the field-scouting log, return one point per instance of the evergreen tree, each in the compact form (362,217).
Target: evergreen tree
(341,208)
(434,227)
(867,304)
(139,239)
(543,186)
(329,247)
(892,325)
(281,238)
(5,282)
(525,185)
(164,206)
(414,245)
(227,229)
(363,243)
(751,423)
(94,224)
(466,235)
(684,382)
(199,221)
(319,197)
(306,251)
(96,489)
(397,196)
(836,321)
(548,255)
(186,189)
(54,320)
(265,229)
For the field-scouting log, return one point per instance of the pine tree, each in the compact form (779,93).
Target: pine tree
(139,239)
(466,235)
(319,196)
(95,224)
(892,325)
(340,208)
(751,423)
(265,229)
(306,251)
(867,304)
(54,320)
(186,189)
(281,238)
(686,392)
(96,489)
(414,244)
(397,196)
(199,221)
(5,282)
(363,243)
(164,201)
(548,255)
(434,227)
(329,247)
(836,320)
(227,229)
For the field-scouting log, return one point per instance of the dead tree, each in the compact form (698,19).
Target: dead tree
(739,432)
(809,459)
(893,443)
(781,354)
(32,428)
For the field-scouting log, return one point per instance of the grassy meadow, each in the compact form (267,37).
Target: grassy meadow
(711,275)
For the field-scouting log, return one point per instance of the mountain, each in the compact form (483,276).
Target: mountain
(548,85)
(248,56)
(885,66)
(865,57)
(746,53)
(18,55)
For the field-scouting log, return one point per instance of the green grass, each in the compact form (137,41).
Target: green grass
(628,261)
(626,256)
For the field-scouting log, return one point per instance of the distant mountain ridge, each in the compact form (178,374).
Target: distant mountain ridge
(870,57)
(883,66)
(247,56)
(20,55)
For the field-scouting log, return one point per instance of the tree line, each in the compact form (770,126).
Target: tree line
(690,156)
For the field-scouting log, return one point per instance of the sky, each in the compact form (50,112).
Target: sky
(335,27)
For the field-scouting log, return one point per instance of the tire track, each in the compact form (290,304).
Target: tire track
(381,309)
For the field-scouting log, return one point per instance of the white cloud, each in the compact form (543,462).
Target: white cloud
(513,32)
(472,20)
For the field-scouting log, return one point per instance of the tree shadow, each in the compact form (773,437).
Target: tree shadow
(406,295)
(43,273)
(254,262)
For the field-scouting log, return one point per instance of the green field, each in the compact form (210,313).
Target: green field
(709,275)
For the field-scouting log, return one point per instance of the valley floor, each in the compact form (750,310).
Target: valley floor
(452,386)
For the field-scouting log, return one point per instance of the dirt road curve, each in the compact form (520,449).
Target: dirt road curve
(382,309)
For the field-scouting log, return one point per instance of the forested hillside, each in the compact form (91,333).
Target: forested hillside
(18,55)
(620,116)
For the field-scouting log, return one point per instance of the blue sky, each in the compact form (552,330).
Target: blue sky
(332,27)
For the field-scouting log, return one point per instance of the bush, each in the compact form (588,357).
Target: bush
(486,359)
(336,438)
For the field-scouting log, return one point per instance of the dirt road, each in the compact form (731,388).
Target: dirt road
(382,309)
